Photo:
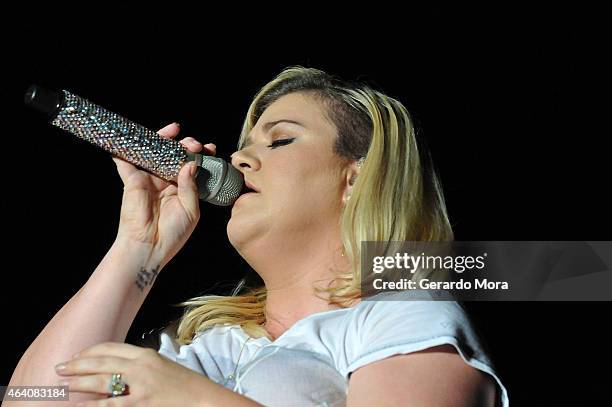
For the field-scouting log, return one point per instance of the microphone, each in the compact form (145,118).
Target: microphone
(218,182)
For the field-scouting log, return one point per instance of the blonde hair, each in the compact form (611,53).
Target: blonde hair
(396,197)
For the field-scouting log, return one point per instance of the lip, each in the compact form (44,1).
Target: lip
(251,186)
(241,197)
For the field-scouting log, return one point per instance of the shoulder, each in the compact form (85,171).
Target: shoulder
(408,322)
(408,315)
(433,376)
(413,333)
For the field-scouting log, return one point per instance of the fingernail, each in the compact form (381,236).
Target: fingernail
(194,168)
(178,124)
(76,355)
(61,366)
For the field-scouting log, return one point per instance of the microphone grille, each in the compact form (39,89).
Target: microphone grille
(219,183)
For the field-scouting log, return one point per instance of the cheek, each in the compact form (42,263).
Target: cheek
(285,175)
(308,190)
(307,179)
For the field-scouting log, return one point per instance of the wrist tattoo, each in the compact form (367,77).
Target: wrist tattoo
(145,277)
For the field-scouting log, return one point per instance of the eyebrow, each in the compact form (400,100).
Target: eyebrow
(269,126)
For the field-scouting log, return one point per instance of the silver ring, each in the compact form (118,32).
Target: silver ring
(117,386)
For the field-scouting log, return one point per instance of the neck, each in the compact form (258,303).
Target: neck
(284,307)
(289,273)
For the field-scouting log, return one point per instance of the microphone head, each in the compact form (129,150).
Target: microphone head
(219,183)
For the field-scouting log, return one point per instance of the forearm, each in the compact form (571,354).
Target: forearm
(102,310)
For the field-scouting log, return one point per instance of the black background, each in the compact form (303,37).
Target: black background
(507,100)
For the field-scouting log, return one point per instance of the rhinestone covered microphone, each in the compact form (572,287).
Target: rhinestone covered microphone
(218,182)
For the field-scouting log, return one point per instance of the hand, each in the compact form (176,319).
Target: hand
(153,380)
(157,213)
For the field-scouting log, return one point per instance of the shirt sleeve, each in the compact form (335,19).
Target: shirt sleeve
(184,355)
(397,323)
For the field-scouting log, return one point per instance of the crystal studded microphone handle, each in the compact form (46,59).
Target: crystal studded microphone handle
(218,182)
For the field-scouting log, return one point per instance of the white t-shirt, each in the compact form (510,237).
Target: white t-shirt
(310,363)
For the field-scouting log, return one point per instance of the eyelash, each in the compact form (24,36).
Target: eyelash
(282,142)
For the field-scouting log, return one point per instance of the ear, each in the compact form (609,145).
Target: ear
(351,176)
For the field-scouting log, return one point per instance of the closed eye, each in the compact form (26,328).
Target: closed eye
(282,142)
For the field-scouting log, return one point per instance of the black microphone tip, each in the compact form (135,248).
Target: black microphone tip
(44,100)
(30,94)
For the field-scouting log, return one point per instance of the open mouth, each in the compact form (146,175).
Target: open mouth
(246,189)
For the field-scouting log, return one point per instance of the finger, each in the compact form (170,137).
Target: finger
(123,350)
(170,131)
(191,144)
(124,401)
(124,166)
(187,190)
(126,170)
(94,383)
(93,365)
(210,149)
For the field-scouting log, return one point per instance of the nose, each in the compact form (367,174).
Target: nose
(243,161)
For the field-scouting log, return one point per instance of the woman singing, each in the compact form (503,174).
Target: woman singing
(329,164)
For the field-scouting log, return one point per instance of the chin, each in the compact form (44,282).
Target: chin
(240,232)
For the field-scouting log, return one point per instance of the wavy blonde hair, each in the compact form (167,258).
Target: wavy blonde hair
(396,197)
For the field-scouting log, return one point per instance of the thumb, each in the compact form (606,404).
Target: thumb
(187,190)
(124,168)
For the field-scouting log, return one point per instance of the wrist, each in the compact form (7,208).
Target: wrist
(139,254)
(128,270)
